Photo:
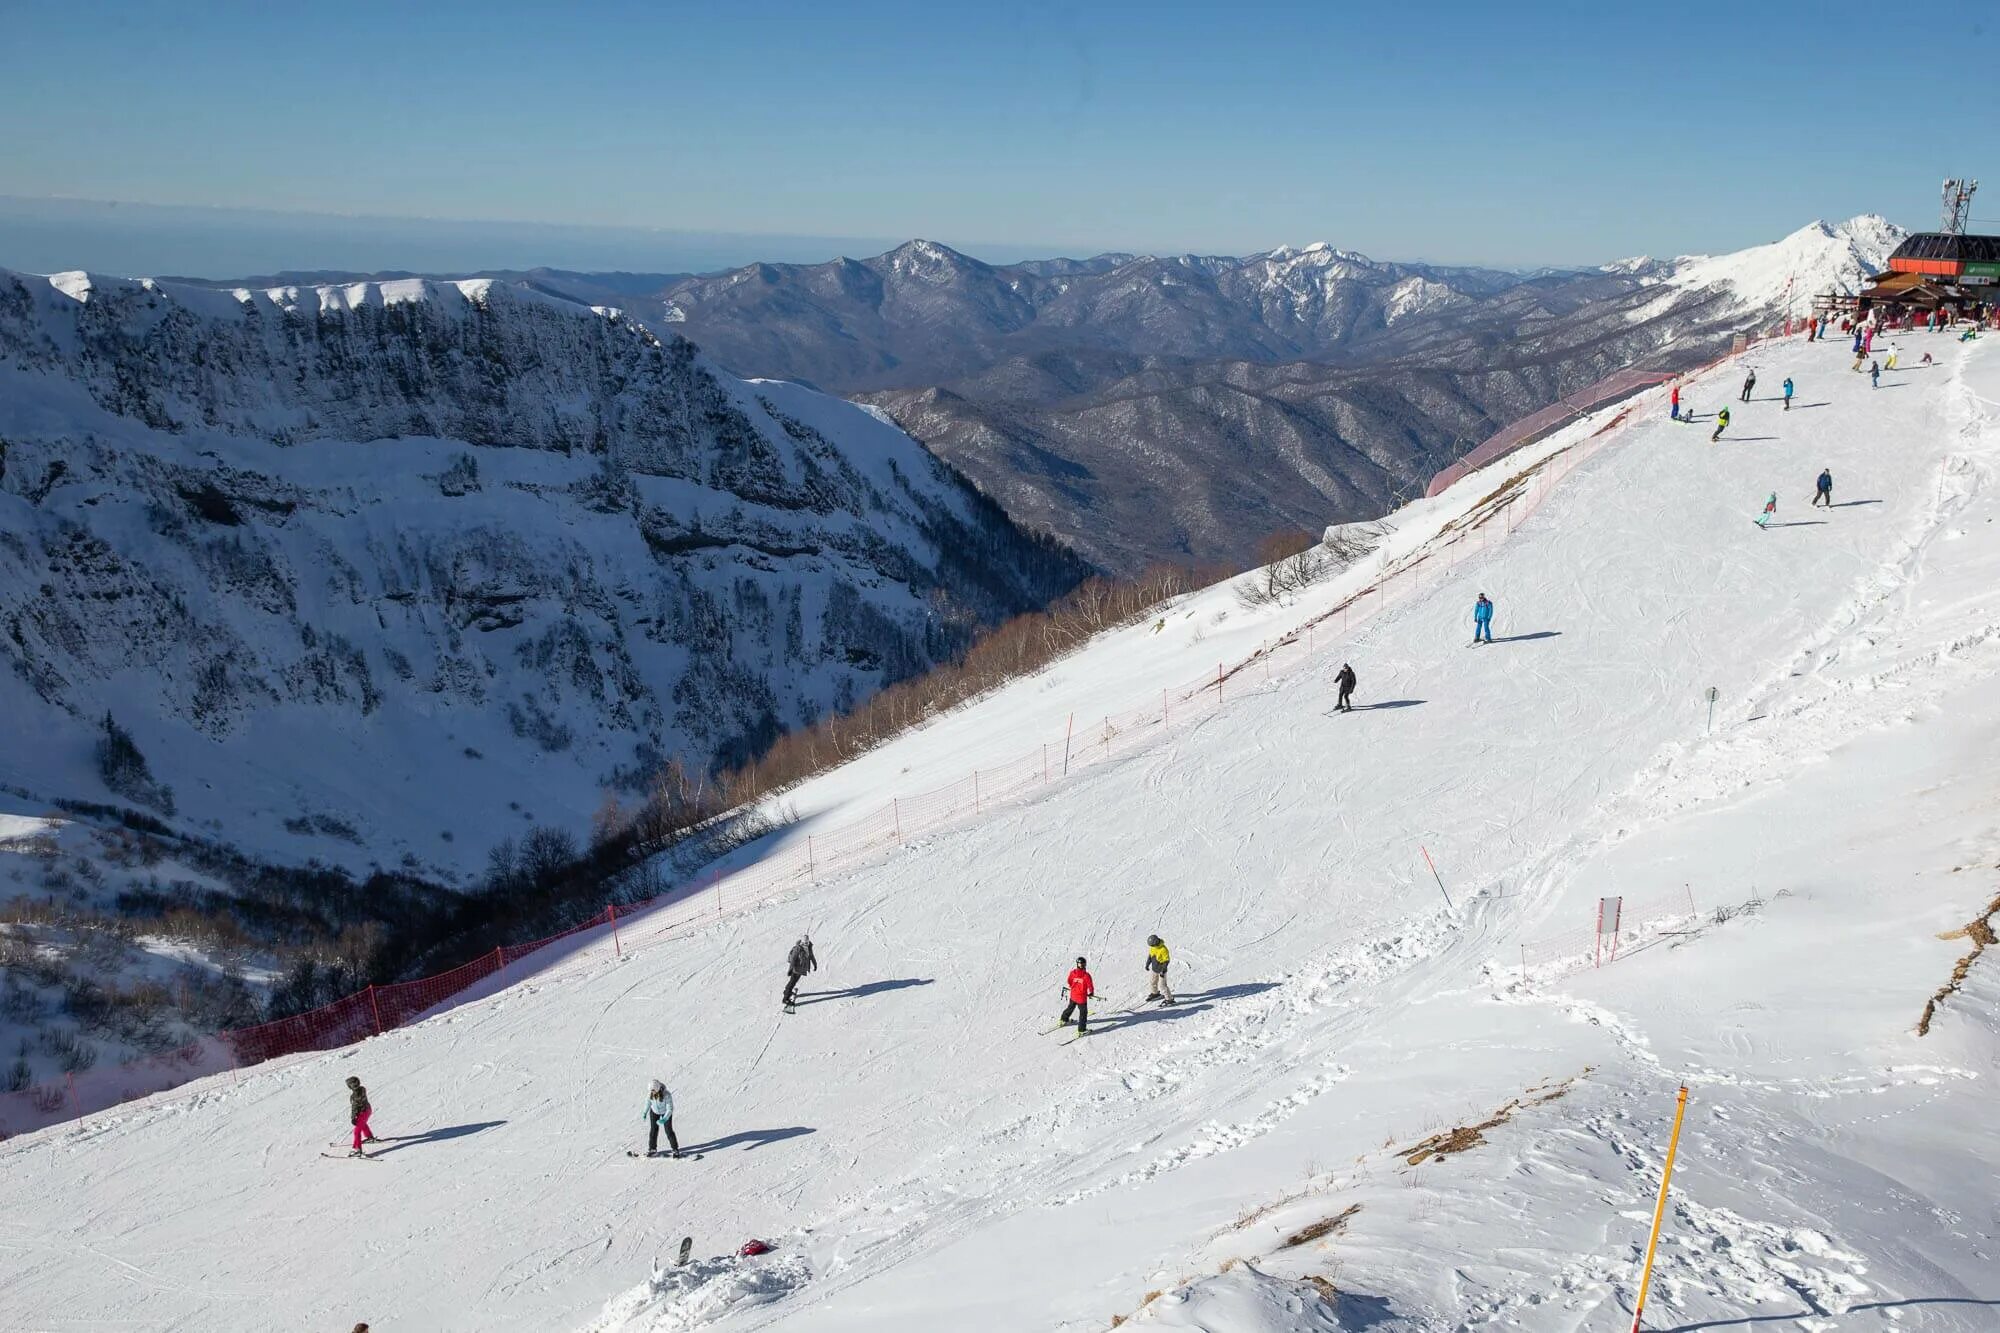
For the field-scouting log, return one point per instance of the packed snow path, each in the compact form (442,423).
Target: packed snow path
(925,1157)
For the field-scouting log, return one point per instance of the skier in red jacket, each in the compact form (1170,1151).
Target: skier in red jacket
(1081,988)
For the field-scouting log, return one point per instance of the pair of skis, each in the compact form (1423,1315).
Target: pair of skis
(350,1154)
(670,1156)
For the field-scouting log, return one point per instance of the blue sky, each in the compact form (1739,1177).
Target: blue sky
(1520,133)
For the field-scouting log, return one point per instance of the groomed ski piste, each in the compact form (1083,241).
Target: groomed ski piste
(922,1153)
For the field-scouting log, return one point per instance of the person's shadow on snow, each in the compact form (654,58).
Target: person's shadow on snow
(1152,1013)
(1216,993)
(1523,638)
(399,1142)
(867,988)
(752,1139)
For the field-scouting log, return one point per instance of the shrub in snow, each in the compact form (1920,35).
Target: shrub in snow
(125,772)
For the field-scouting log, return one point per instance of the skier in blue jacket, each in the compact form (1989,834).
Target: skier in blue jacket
(1788,393)
(1482,620)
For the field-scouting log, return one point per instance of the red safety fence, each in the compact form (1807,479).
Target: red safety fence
(1621,384)
(802,861)
(1603,942)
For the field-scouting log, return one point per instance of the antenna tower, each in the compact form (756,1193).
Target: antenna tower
(1957,205)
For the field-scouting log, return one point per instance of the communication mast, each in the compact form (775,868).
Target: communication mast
(1957,205)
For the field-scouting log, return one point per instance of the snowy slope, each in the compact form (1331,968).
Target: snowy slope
(383,572)
(923,1157)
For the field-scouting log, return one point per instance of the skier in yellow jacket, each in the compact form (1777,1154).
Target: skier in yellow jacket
(1157,959)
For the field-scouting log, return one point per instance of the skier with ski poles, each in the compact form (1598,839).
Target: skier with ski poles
(1080,988)
(1749,383)
(358,1111)
(1482,620)
(799,962)
(1157,959)
(1788,393)
(1824,494)
(1345,680)
(1674,403)
(659,1115)
(1721,425)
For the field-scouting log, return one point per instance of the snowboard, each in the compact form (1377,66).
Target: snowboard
(687,1248)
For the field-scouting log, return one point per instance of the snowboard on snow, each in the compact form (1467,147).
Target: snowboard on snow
(687,1248)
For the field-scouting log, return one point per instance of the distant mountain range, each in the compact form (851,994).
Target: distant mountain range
(1182,407)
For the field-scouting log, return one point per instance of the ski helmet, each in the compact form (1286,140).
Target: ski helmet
(353,1081)
(1153,940)
(1079,960)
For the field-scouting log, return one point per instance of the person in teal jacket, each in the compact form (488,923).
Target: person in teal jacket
(1788,393)
(1482,620)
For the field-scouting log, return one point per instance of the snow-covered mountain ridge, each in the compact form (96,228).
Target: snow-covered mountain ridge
(1115,400)
(420,560)
(1817,258)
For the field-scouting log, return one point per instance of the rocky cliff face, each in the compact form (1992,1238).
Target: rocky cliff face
(382,571)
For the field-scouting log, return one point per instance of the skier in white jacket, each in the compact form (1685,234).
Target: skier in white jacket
(659,1115)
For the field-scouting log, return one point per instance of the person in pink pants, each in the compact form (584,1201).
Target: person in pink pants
(358,1111)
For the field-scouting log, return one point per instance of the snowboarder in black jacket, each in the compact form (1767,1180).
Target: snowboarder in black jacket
(1749,383)
(1346,682)
(800,962)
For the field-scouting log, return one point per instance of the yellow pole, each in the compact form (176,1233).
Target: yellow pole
(1660,1209)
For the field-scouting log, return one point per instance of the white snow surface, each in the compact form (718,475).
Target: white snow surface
(923,1156)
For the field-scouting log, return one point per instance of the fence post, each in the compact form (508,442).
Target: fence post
(812,869)
(1524,965)
(1218,684)
(1166,708)
(1660,1209)
(1069,730)
(1045,762)
(617,949)
(1107,733)
(975,791)
(1434,874)
(896,816)
(376,1006)
(500,963)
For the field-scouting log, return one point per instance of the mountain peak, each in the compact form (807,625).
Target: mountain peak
(921,251)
